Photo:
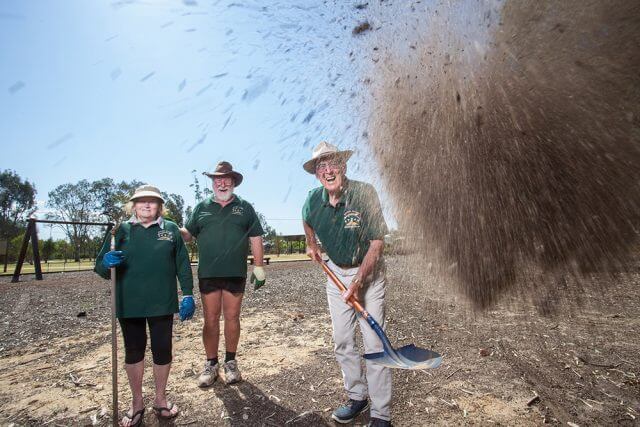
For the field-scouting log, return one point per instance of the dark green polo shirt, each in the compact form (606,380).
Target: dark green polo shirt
(146,280)
(223,236)
(346,230)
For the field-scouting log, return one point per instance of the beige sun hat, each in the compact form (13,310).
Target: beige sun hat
(146,191)
(323,150)
(225,169)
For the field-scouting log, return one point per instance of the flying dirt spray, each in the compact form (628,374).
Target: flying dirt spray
(509,138)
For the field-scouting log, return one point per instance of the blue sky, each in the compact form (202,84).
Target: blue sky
(151,90)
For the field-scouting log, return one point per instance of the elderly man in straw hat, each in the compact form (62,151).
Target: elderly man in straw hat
(345,215)
(224,225)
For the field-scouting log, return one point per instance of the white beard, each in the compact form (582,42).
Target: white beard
(224,197)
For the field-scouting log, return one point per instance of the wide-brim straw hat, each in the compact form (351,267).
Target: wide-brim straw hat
(225,169)
(146,191)
(324,150)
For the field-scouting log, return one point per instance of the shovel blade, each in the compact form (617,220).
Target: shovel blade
(407,357)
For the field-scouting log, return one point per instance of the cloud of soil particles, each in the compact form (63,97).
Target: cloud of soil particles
(509,139)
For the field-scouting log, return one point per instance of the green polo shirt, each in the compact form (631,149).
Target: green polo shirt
(146,280)
(347,229)
(223,236)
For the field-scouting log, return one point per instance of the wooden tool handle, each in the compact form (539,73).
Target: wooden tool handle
(114,339)
(342,287)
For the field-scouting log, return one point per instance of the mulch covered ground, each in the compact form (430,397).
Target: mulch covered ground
(508,366)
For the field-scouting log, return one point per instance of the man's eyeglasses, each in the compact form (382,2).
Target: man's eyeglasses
(223,180)
(329,165)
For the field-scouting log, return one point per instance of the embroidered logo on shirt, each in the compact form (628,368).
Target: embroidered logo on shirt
(352,219)
(237,210)
(165,235)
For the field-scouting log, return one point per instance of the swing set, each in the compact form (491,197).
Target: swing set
(31,234)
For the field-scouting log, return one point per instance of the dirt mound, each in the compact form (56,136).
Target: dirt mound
(510,138)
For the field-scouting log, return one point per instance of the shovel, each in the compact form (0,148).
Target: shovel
(407,357)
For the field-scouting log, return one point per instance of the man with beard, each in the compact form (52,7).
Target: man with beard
(346,217)
(224,226)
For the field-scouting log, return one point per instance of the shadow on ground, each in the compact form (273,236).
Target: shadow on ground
(246,405)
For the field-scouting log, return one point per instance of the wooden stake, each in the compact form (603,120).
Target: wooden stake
(114,339)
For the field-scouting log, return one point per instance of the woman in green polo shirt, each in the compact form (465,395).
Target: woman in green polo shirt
(150,255)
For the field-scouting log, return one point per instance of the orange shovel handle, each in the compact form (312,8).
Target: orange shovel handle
(342,287)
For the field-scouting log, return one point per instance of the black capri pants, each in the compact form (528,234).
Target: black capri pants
(134,331)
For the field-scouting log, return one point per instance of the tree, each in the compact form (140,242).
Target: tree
(269,236)
(94,246)
(199,193)
(89,202)
(48,249)
(174,206)
(192,246)
(17,202)
(188,211)
(111,197)
(62,249)
(75,203)
(269,232)
(15,244)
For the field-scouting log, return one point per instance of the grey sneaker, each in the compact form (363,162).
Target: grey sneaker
(209,375)
(350,410)
(231,372)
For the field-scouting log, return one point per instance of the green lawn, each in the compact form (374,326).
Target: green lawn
(50,267)
(85,264)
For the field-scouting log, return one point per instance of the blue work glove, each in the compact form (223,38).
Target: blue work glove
(112,259)
(187,308)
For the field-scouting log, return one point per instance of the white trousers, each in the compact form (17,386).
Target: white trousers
(344,319)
